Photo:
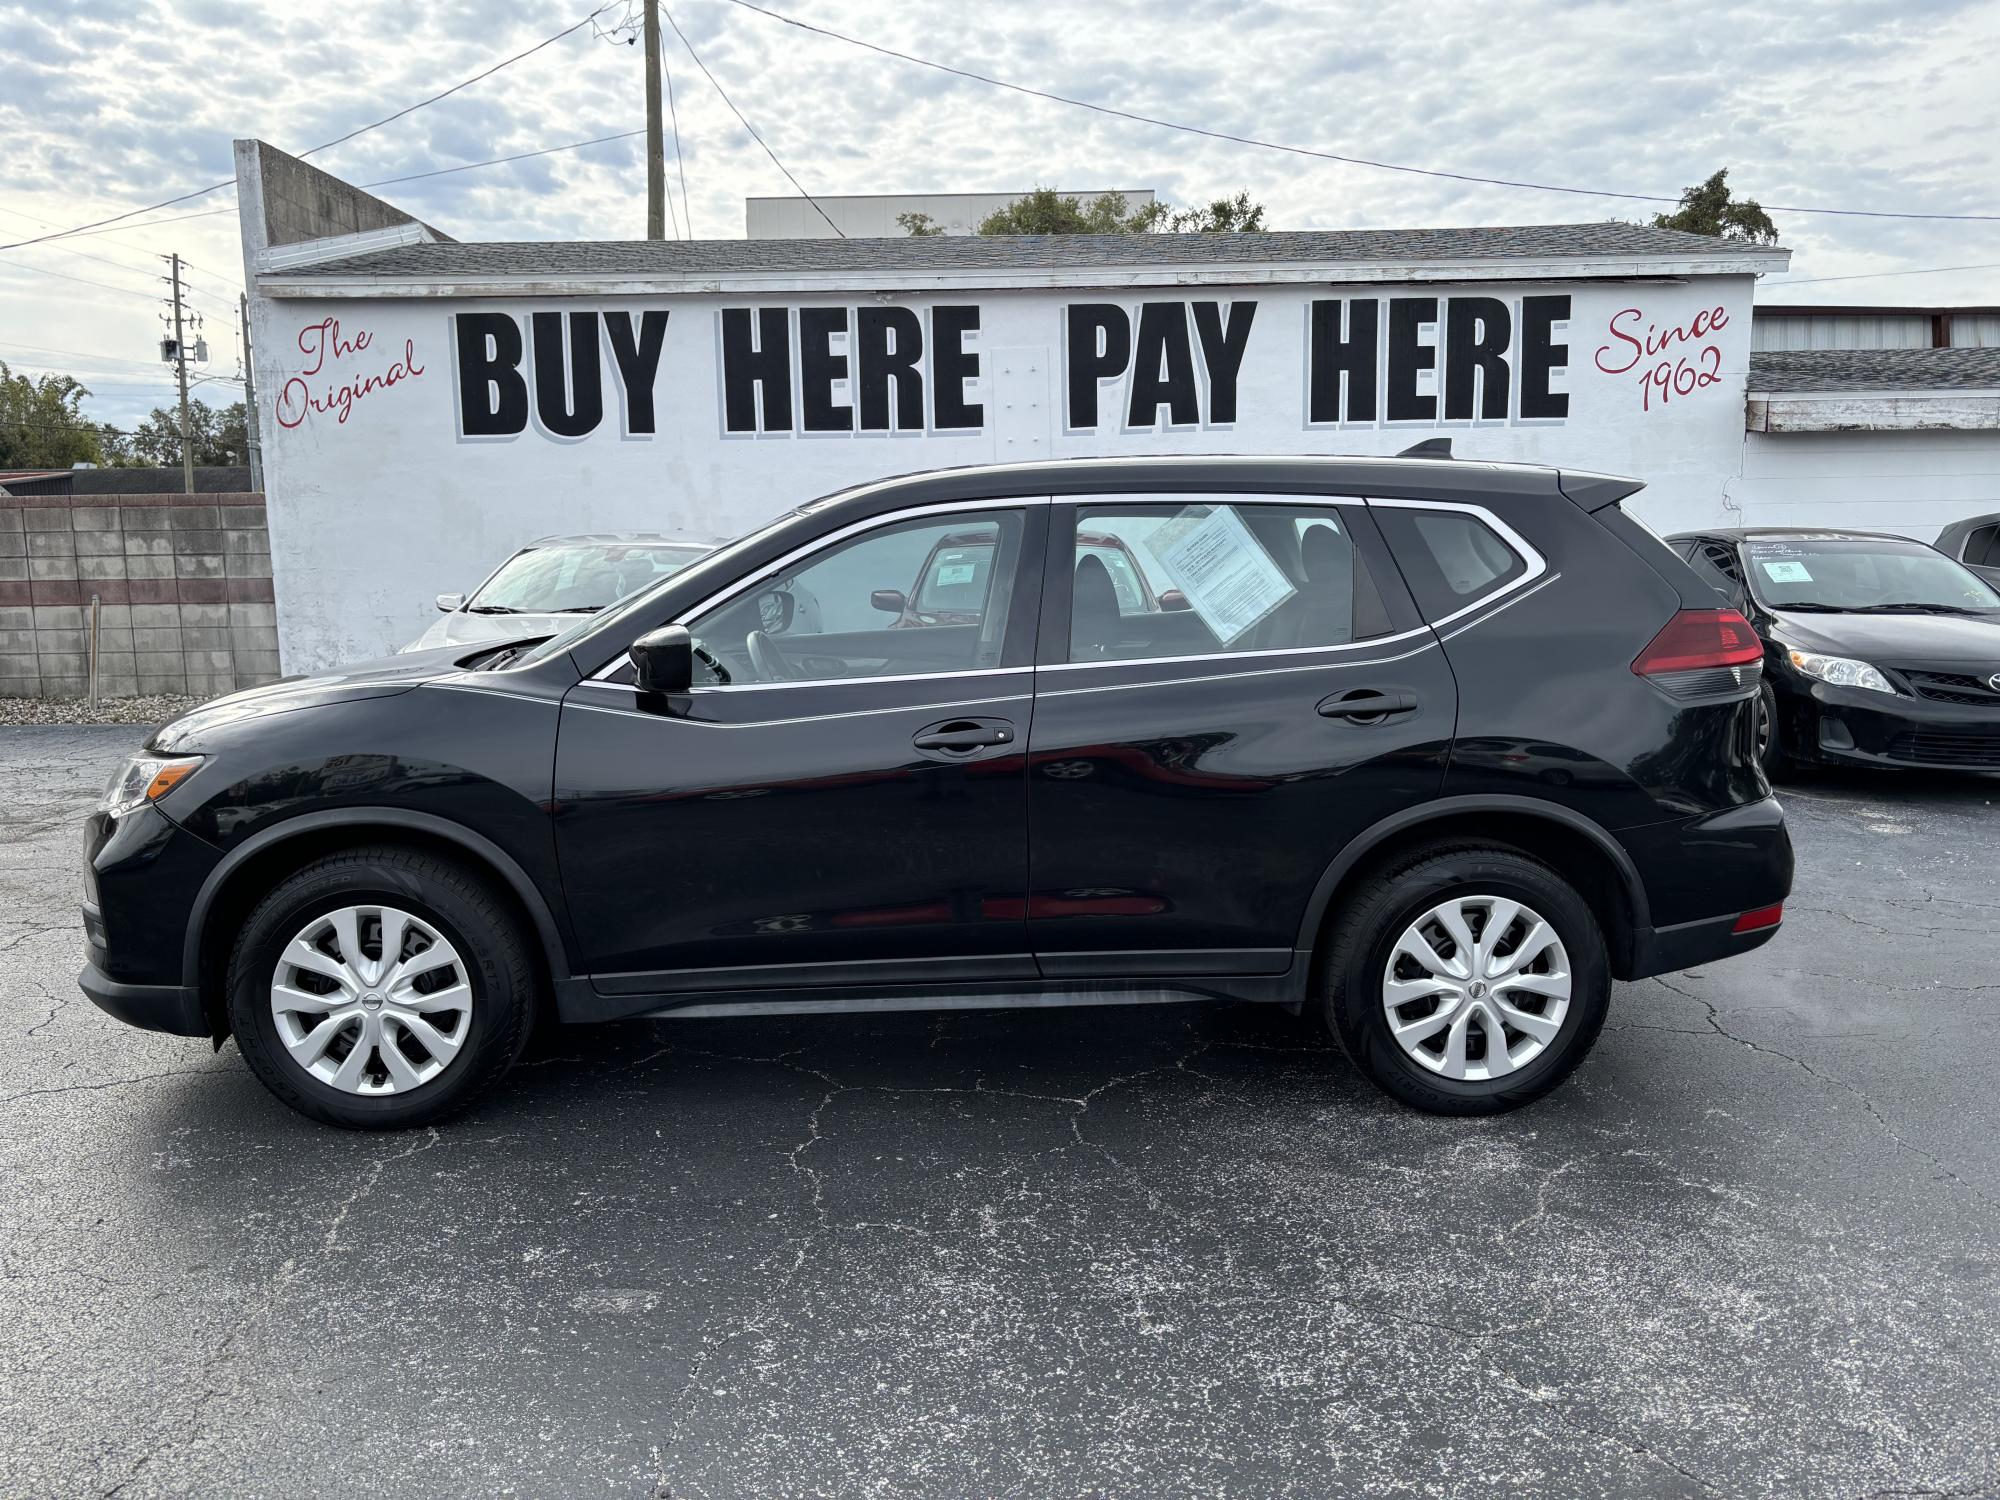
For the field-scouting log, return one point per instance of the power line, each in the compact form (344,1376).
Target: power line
(497,161)
(1782,282)
(742,121)
(680,161)
(324,145)
(18,265)
(1246,140)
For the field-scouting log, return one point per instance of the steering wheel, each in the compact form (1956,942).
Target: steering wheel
(769,661)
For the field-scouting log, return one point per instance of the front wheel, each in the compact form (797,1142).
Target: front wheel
(1467,981)
(380,988)
(1771,753)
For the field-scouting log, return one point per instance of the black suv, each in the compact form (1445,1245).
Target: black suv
(1436,749)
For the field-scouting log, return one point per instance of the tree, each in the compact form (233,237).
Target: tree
(1045,211)
(218,437)
(920,226)
(1708,209)
(42,424)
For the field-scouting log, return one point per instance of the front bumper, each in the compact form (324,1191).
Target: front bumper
(1852,726)
(140,876)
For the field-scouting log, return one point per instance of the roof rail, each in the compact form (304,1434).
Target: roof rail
(1428,448)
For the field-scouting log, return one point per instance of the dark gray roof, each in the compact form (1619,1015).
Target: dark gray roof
(1028,252)
(1874,369)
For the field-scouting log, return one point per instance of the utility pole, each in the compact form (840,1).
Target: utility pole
(656,145)
(251,438)
(181,369)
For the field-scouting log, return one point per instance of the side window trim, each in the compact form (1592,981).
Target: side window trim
(1535,566)
(1034,513)
(1052,650)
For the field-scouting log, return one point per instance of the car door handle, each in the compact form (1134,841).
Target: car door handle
(1368,705)
(963,736)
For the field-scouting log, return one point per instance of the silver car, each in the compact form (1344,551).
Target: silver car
(543,588)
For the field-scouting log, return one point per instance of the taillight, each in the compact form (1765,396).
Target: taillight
(1700,638)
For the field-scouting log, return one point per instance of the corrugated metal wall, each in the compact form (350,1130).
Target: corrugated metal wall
(1792,331)
(1980,331)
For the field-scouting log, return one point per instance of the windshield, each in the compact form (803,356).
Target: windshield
(1862,573)
(578,576)
(716,562)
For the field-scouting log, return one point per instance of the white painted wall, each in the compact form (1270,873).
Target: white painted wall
(373,515)
(1912,483)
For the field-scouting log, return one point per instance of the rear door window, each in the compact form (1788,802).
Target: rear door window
(1207,575)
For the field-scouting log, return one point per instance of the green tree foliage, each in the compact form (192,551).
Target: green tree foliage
(217,435)
(920,226)
(42,424)
(1707,208)
(1045,211)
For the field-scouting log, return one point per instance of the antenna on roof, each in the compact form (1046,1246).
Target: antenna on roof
(1428,448)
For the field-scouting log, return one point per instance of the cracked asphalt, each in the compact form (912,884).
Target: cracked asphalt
(1750,1249)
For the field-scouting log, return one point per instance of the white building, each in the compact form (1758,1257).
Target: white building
(428,405)
(877,216)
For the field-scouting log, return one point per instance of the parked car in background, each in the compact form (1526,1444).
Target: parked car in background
(1976,543)
(1878,650)
(1435,765)
(543,588)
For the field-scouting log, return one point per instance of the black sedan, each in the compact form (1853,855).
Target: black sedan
(1878,650)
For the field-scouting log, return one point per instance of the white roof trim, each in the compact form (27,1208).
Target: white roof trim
(340,246)
(331,283)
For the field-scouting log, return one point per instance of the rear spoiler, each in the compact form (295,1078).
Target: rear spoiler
(1592,492)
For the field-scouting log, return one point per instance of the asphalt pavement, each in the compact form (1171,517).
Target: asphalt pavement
(1751,1248)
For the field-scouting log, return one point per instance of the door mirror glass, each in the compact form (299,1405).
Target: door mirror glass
(777,608)
(889,601)
(1174,599)
(450,602)
(665,660)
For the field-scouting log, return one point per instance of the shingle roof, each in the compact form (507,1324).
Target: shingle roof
(1874,370)
(1030,252)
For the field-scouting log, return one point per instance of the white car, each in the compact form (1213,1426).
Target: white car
(544,587)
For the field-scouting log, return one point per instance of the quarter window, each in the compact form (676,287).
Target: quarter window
(908,599)
(1451,558)
(1200,576)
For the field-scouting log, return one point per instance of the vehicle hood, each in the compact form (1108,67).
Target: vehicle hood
(1947,643)
(463,628)
(381,678)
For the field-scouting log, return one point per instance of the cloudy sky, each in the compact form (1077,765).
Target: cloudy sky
(108,105)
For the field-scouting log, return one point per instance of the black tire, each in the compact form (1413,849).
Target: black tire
(1363,940)
(1768,740)
(441,892)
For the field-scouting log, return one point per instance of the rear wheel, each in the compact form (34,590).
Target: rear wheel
(380,988)
(1467,980)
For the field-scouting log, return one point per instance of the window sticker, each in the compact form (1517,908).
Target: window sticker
(951,573)
(1227,576)
(1786,572)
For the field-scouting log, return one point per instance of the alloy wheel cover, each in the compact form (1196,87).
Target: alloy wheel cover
(1476,988)
(371,1000)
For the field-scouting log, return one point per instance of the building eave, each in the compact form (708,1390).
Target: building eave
(1780,412)
(326,282)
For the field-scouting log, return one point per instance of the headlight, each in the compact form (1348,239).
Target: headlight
(145,777)
(1841,671)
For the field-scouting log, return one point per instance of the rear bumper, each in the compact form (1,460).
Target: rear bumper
(1700,876)
(1666,950)
(173,1008)
(1855,727)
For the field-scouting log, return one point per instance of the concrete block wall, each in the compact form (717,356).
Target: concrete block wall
(183,584)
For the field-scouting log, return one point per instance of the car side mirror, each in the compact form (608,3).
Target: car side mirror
(450,602)
(665,659)
(889,601)
(1174,599)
